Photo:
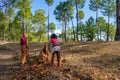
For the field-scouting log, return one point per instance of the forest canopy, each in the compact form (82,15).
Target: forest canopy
(16,17)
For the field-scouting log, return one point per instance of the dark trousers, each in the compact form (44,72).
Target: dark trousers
(58,57)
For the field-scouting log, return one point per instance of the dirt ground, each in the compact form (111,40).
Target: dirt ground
(79,61)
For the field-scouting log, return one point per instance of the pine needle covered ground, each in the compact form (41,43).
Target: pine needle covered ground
(79,61)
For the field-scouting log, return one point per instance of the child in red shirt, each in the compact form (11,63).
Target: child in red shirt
(54,39)
(24,49)
(55,49)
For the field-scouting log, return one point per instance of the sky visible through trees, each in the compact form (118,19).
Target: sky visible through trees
(73,20)
(40,4)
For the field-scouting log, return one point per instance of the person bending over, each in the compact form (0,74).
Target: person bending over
(55,49)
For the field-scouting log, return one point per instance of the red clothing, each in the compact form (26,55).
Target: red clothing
(24,49)
(54,41)
(23,41)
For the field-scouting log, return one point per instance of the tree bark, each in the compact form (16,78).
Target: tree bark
(77,22)
(9,31)
(97,25)
(108,28)
(65,29)
(73,28)
(48,22)
(117,35)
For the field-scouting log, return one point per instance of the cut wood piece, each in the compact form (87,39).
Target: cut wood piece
(43,55)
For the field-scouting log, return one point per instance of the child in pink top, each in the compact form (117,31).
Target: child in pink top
(55,43)
(24,49)
(54,40)
(23,40)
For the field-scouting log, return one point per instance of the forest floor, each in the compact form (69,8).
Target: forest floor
(79,61)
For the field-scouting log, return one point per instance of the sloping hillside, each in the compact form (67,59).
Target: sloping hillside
(79,61)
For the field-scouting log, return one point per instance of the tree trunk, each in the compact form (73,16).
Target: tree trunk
(117,35)
(65,30)
(100,33)
(73,28)
(39,37)
(97,25)
(22,26)
(3,38)
(81,36)
(9,31)
(2,34)
(77,22)
(108,28)
(48,22)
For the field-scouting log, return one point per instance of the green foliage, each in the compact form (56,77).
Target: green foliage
(95,5)
(100,26)
(108,7)
(17,21)
(31,37)
(2,17)
(70,34)
(81,30)
(7,4)
(112,32)
(80,3)
(52,27)
(90,29)
(10,12)
(80,14)
(11,23)
(39,17)
(2,25)
(63,13)
(49,2)
(24,8)
(39,20)
(24,12)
